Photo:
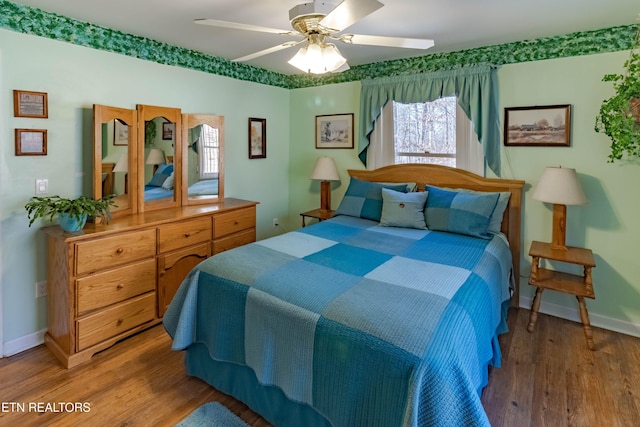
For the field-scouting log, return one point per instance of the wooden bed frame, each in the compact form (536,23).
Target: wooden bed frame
(444,176)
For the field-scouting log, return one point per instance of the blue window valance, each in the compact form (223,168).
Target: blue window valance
(476,88)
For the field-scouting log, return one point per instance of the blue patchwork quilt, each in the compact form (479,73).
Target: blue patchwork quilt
(369,325)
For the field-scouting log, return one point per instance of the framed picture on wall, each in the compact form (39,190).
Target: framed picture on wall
(120,133)
(334,131)
(257,138)
(31,142)
(30,104)
(167,131)
(547,125)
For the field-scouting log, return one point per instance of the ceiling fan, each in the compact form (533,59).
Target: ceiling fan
(315,23)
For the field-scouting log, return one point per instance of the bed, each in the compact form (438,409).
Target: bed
(349,322)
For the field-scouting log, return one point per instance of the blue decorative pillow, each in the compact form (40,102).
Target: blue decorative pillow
(403,209)
(495,223)
(162,173)
(363,199)
(460,212)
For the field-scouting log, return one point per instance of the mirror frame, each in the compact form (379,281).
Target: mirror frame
(104,114)
(189,121)
(150,112)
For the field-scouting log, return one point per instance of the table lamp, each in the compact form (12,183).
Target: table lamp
(561,187)
(123,166)
(155,158)
(325,171)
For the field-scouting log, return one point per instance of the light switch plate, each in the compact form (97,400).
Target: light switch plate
(42,186)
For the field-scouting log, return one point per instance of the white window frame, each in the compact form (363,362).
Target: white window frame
(207,159)
(469,154)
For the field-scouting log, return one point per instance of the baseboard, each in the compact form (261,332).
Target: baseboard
(573,314)
(23,343)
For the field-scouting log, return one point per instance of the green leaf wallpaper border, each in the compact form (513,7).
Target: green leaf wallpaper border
(37,22)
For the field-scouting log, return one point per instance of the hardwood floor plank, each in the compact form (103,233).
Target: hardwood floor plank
(548,378)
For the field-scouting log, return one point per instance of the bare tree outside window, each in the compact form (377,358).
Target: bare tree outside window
(426,132)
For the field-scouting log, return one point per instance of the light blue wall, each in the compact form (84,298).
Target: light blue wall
(306,104)
(77,77)
(608,224)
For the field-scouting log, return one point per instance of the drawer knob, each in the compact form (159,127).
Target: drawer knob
(120,286)
(187,234)
(119,322)
(236,222)
(119,251)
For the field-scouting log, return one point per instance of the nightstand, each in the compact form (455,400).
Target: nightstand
(580,286)
(319,214)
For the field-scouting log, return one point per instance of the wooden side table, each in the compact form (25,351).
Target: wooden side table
(580,286)
(319,214)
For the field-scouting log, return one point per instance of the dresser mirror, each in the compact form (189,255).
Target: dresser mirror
(159,157)
(115,157)
(142,158)
(202,155)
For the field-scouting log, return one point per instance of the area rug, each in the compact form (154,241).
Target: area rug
(212,414)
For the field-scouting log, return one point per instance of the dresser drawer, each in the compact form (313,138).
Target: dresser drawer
(116,319)
(234,240)
(112,286)
(183,234)
(232,222)
(108,252)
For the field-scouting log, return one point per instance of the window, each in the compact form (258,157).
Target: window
(437,132)
(209,145)
(425,132)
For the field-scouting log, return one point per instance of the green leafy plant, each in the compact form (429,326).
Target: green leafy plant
(150,133)
(619,116)
(49,207)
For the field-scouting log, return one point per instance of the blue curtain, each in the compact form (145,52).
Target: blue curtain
(476,88)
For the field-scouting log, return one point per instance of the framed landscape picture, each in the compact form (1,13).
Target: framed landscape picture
(334,131)
(548,125)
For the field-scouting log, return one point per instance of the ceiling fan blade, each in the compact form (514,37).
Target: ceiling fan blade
(237,26)
(387,41)
(348,13)
(267,51)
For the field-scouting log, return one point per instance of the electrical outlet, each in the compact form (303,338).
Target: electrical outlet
(41,289)
(275,222)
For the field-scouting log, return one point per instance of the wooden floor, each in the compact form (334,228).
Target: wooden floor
(547,378)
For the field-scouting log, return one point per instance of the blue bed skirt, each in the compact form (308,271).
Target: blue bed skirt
(241,382)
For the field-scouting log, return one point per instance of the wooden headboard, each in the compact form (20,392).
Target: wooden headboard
(444,176)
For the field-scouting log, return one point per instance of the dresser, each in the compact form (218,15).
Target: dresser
(110,281)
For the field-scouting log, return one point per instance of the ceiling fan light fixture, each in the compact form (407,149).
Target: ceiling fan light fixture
(318,58)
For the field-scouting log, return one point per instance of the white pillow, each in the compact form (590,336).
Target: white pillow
(168,183)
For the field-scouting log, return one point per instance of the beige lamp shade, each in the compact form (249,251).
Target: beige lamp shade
(325,170)
(561,186)
(155,157)
(122,164)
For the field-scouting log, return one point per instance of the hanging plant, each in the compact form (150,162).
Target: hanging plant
(149,133)
(619,116)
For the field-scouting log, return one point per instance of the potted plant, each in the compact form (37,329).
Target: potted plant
(72,213)
(619,116)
